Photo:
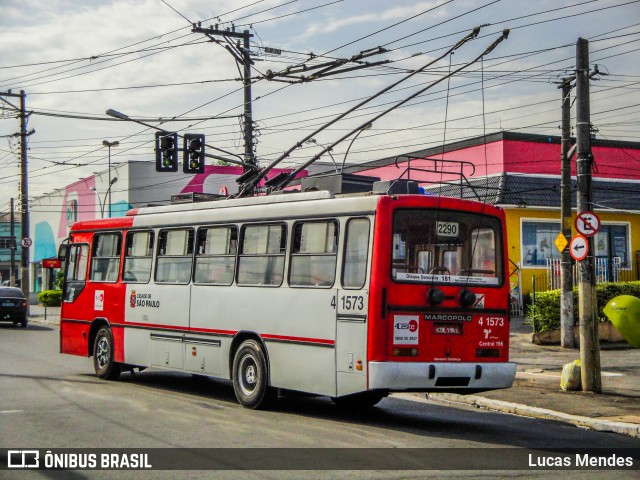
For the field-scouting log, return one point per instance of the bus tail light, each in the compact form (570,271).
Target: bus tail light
(359,365)
(405,352)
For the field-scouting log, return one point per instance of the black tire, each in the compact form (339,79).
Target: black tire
(250,376)
(103,356)
(23,322)
(360,400)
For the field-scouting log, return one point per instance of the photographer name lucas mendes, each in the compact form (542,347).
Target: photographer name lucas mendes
(580,460)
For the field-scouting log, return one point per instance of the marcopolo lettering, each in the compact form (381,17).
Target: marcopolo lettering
(447,317)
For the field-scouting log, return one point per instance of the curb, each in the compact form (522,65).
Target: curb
(50,320)
(629,429)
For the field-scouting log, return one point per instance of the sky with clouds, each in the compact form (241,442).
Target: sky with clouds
(77,58)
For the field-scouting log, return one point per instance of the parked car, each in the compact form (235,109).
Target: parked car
(13,306)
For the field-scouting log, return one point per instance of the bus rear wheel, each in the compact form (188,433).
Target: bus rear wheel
(250,376)
(103,356)
(360,400)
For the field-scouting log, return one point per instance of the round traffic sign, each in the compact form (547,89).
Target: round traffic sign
(579,248)
(26,242)
(587,224)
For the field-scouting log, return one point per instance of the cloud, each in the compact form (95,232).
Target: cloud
(388,15)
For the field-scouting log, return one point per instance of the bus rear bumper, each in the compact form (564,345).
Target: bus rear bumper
(440,377)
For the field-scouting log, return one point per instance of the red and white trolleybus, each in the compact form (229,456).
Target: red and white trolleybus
(350,296)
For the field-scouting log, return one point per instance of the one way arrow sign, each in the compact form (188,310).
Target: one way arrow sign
(579,248)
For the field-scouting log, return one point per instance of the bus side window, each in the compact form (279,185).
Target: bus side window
(175,252)
(216,255)
(356,248)
(262,252)
(314,253)
(76,273)
(105,261)
(138,257)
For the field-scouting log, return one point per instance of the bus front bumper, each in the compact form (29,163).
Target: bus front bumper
(440,377)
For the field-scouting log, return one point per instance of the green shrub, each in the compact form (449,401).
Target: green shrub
(545,313)
(50,298)
(57,284)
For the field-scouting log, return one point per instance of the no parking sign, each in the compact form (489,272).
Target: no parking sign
(587,224)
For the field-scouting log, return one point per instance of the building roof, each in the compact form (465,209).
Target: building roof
(541,191)
(482,140)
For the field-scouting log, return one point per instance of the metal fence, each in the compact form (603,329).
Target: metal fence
(607,270)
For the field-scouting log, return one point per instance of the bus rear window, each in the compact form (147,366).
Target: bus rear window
(436,246)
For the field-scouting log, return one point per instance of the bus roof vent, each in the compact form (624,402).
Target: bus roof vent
(194,197)
(337,183)
(396,187)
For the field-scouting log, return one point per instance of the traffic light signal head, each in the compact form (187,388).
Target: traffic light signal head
(193,161)
(166,152)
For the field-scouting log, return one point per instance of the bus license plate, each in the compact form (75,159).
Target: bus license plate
(447,328)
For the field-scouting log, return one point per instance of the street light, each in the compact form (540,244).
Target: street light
(313,140)
(108,192)
(366,127)
(109,144)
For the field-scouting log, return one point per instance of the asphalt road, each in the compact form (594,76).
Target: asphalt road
(49,400)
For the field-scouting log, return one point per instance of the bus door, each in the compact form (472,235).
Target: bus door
(352,301)
(351,340)
(161,303)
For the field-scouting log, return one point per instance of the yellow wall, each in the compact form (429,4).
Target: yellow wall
(514,216)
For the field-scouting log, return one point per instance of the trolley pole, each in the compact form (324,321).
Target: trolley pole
(589,341)
(567,339)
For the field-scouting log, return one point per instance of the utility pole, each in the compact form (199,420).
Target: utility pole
(242,57)
(24,198)
(567,339)
(12,239)
(248,114)
(24,190)
(589,341)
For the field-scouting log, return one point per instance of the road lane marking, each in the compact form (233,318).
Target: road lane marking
(11,411)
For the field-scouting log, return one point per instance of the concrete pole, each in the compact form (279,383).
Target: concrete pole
(24,198)
(12,269)
(248,114)
(589,341)
(567,339)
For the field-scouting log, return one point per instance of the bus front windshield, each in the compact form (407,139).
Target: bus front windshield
(443,246)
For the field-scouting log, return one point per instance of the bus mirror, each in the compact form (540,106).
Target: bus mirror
(62,252)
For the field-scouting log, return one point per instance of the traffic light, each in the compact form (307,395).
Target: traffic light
(166,152)
(193,161)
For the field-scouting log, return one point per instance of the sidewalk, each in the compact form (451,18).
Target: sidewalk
(536,391)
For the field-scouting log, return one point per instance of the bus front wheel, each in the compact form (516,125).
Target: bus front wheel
(250,376)
(103,356)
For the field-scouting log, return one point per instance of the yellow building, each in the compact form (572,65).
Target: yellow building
(521,173)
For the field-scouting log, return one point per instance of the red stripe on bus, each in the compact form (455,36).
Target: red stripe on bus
(321,341)
(267,336)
